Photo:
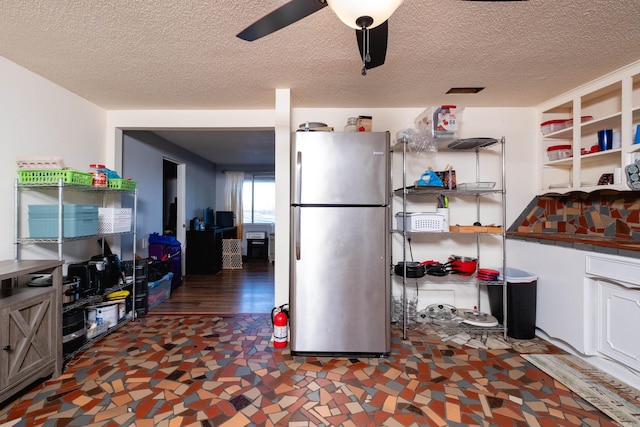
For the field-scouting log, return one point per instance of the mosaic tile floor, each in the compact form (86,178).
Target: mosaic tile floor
(223,371)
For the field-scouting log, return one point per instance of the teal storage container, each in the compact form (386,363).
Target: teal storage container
(78,221)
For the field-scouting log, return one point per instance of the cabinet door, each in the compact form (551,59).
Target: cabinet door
(27,338)
(618,308)
(200,251)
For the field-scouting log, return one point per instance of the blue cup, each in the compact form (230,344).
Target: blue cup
(605,139)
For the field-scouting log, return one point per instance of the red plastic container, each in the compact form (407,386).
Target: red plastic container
(553,126)
(557,152)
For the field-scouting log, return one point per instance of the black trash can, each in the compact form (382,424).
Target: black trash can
(521,303)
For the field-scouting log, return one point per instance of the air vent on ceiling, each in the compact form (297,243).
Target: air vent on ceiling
(464,90)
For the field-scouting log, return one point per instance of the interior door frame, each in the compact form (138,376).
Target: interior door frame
(181,191)
(181,225)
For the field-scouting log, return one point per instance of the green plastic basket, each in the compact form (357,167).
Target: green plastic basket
(121,184)
(54,176)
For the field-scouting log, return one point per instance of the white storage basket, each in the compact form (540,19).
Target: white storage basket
(114,220)
(420,221)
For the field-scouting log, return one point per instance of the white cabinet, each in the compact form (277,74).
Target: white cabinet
(612,102)
(563,309)
(486,243)
(618,308)
(587,304)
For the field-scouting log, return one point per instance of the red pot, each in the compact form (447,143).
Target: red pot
(464,266)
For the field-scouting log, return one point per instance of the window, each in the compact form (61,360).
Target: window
(259,199)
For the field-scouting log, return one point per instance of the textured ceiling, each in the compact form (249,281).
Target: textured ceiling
(228,147)
(183,54)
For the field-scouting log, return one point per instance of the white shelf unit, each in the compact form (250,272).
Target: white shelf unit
(611,102)
(425,194)
(57,193)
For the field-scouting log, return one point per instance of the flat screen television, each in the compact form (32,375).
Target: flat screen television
(224,219)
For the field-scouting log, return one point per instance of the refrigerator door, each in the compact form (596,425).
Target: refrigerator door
(340,284)
(340,168)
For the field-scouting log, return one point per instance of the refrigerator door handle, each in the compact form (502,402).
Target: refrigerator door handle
(296,231)
(298,179)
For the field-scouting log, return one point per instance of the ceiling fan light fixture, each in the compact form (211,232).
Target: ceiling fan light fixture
(349,11)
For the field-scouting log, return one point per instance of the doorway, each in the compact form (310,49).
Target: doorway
(160,157)
(169,196)
(173,201)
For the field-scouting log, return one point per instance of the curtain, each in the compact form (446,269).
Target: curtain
(233,197)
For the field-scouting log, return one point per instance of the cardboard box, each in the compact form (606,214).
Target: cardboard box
(365,122)
(448,179)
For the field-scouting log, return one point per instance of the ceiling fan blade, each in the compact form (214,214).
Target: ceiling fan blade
(285,15)
(378,37)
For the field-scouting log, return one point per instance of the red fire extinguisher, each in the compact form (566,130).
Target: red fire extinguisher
(280,319)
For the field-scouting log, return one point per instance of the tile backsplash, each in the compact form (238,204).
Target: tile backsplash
(602,213)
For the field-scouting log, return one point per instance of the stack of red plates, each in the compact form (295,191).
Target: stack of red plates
(488,274)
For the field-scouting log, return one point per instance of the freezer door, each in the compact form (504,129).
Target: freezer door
(340,168)
(339,289)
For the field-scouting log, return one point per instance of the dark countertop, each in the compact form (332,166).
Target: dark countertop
(622,247)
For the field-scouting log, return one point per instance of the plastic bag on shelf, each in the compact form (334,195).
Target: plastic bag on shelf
(441,122)
(429,179)
(417,140)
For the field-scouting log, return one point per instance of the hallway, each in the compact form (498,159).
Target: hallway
(249,290)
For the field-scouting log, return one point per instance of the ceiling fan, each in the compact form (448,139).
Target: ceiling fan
(368,17)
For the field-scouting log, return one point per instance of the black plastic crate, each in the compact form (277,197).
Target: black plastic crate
(142,286)
(142,267)
(141,304)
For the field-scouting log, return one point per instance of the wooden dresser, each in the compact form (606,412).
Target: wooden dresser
(30,325)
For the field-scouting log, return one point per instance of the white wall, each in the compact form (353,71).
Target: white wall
(39,118)
(143,156)
(515,124)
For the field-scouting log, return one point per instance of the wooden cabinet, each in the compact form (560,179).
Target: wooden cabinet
(30,327)
(612,102)
(204,249)
(26,319)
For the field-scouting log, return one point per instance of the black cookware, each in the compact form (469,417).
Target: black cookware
(108,270)
(88,274)
(437,269)
(414,269)
(70,287)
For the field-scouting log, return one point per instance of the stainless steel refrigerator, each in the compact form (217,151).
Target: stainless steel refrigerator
(339,279)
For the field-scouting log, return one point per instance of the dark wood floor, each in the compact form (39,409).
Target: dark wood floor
(249,290)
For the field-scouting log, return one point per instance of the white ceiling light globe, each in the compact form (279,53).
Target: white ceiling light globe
(350,10)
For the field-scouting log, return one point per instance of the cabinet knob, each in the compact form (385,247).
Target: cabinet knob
(6,348)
